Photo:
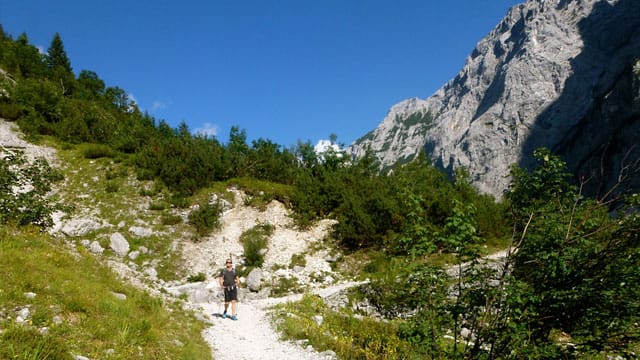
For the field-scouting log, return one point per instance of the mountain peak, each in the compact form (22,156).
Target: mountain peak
(538,79)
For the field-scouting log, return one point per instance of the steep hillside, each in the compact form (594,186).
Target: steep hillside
(559,74)
(125,230)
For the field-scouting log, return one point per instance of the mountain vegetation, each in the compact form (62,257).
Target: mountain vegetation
(567,288)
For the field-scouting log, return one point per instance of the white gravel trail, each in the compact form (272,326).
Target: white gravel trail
(253,336)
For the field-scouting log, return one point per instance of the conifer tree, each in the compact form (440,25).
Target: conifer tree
(56,56)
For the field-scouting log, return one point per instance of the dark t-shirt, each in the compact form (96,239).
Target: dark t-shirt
(228,277)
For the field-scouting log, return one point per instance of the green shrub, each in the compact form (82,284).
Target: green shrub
(349,337)
(10,111)
(286,286)
(145,192)
(297,260)
(206,218)
(157,205)
(254,241)
(180,201)
(199,277)
(96,151)
(112,187)
(170,219)
(144,174)
(31,207)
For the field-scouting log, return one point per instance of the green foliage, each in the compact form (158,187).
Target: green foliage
(184,163)
(24,188)
(558,278)
(10,110)
(22,59)
(403,288)
(57,56)
(199,277)
(157,205)
(349,337)
(284,286)
(459,232)
(112,187)
(20,342)
(169,219)
(254,241)
(298,260)
(206,218)
(576,259)
(79,291)
(260,192)
(96,151)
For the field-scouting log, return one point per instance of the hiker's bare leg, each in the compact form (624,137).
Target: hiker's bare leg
(226,306)
(234,307)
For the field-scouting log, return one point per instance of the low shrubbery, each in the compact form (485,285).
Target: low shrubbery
(349,337)
(255,242)
(24,189)
(96,151)
(206,218)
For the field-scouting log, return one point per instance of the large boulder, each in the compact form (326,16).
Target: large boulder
(119,244)
(80,226)
(254,279)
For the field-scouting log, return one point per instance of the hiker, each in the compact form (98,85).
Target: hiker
(229,282)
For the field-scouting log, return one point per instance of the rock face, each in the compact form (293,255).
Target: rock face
(561,74)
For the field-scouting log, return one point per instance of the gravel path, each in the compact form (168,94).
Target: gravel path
(253,336)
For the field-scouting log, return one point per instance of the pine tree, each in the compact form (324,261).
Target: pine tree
(56,56)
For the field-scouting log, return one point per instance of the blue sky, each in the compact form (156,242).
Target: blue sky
(284,70)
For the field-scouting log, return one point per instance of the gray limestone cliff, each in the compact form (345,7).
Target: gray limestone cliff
(561,74)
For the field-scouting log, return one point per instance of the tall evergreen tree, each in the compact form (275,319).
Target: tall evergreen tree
(56,56)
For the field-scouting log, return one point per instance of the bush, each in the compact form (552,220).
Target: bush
(157,205)
(199,277)
(30,204)
(206,218)
(10,111)
(170,219)
(96,151)
(254,241)
(180,201)
(285,286)
(297,260)
(112,187)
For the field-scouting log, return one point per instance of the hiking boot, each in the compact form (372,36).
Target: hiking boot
(233,317)
(224,315)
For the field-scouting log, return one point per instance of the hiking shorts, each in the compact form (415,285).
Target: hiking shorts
(230,293)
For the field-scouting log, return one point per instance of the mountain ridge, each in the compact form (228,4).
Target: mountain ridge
(553,74)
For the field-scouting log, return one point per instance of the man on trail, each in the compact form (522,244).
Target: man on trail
(229,282)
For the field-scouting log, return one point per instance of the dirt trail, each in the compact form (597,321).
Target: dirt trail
(253,336)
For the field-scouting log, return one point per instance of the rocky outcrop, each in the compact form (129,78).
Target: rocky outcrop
(561,74)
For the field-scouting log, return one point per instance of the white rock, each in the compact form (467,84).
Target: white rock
(119,244)
(96,248)
(140,231)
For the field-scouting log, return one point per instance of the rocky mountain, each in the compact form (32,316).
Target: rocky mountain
(561,74)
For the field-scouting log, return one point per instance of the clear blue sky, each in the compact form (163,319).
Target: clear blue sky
(284,70)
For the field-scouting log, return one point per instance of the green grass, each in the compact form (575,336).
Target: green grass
(349,337)
(75,301)
(260,193)
(89,187)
